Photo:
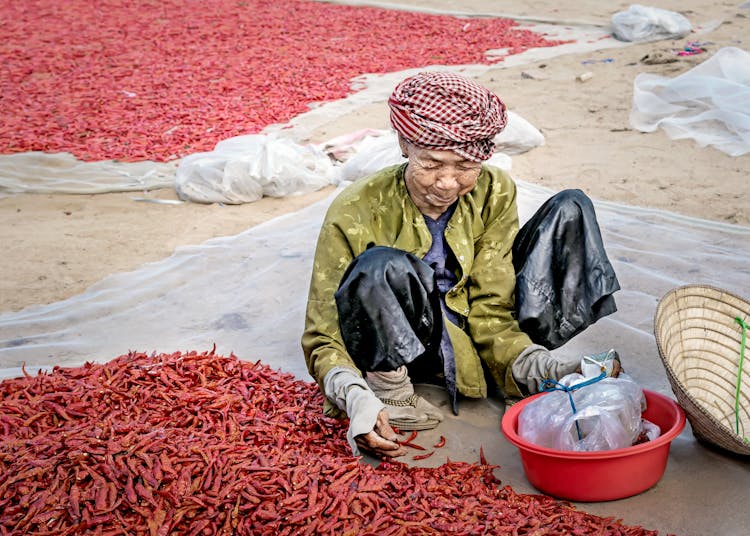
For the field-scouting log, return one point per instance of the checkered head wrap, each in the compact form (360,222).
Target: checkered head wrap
(445,111)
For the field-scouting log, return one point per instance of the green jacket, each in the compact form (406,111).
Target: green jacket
(377,210)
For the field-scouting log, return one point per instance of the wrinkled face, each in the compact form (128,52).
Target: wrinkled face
(436,179)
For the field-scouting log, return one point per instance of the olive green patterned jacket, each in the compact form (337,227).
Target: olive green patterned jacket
(377,210)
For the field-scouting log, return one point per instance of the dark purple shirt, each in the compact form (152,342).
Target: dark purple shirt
(441,258)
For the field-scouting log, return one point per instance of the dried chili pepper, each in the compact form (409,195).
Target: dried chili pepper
(132,458)
(408,442)
(104,88)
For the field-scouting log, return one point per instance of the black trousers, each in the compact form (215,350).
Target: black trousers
(389,305)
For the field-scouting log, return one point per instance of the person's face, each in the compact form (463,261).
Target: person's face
(436,179)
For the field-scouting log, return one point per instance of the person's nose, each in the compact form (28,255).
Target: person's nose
(447,179)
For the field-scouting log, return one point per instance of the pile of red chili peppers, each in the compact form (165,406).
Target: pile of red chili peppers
(160,79)
(199,444)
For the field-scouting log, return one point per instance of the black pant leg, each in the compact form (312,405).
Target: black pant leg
(389,309)
(564,280)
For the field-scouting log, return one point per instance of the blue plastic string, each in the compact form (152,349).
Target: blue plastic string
(739,378)
(553,385)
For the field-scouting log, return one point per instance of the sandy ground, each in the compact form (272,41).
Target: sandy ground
(55,246)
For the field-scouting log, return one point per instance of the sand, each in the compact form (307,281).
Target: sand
(55,246)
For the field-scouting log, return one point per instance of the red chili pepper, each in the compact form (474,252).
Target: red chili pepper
(408,441)
(412,436)
(440,443)
(412,445)
(482,459)
(82,84)
(138,462)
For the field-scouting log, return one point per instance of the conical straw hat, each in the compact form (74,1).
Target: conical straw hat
(699,340)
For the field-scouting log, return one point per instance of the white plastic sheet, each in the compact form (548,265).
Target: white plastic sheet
(247,294)
(374,152)
(709,103)
(37,172)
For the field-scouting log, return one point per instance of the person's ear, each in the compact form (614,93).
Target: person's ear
(404,146)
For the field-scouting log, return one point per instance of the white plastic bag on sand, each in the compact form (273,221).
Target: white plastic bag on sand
(342,147)
(643,23)
(372,153)
(518,136)
(710,103)
(607,416)
(245,168)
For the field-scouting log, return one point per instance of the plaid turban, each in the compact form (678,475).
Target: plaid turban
(444,111)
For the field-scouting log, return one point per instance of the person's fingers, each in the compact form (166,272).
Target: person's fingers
(378,445)
(383,427)
(616,368)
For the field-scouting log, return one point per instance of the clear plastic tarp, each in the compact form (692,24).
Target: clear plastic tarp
(247,293)
(37,172)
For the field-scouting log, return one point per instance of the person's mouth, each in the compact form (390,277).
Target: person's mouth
(443,200)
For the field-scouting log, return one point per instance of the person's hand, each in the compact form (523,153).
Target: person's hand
(616,367)
(382,441)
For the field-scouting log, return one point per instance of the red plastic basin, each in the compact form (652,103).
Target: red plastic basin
(601,475)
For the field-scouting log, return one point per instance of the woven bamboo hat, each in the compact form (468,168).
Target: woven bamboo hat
(700,343)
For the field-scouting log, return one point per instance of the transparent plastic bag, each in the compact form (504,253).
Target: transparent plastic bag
(649,430)
(643,23)
(245,168)
(608,416)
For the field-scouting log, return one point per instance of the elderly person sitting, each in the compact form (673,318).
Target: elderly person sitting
(422,275)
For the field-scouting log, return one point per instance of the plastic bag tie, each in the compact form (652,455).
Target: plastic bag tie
(745,327)
(553,385)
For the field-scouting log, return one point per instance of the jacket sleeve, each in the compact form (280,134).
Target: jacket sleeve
(491,287)
(322,344)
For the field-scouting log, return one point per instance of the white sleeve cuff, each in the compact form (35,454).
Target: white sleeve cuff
(350,393)
(536,364)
